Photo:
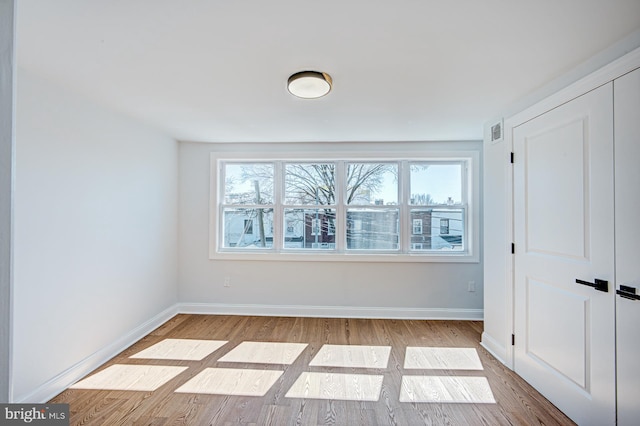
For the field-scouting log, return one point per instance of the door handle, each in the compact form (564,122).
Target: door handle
(600,285)
(628,292)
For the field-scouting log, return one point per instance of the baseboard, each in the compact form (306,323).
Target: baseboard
(68,377)
(331,311)
(494,348)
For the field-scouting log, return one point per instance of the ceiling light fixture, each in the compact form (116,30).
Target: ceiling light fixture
(309,84)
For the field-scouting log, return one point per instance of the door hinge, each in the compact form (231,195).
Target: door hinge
(513,340)
(513,248)
(512,158)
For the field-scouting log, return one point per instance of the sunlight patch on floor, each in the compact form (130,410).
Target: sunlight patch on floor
(347,387)
(309,385)
(354,356)
(264,353)
(181,349)
(231,381)
(130,377)
(442,358)
(446,389)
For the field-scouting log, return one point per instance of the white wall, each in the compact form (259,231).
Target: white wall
(311,288)
(95,234)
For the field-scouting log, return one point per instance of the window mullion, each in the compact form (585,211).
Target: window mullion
(341,212)
(405,196)
(278,211)
(466,223)
(220,202)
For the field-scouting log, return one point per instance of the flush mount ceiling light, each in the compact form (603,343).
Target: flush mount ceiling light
(309,84)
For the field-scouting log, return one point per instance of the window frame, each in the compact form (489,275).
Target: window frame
(470,160)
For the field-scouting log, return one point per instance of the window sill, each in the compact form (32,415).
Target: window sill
(347,257)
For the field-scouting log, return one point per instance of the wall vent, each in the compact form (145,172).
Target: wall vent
(496,132)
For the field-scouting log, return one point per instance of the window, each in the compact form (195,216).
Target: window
(248,197)
(371,206)
(444,226)
(346,209)
(417,226)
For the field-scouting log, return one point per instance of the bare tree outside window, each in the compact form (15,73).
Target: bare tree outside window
(343,205)
(370,182)
(311,185)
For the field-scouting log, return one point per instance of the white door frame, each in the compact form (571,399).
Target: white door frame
(564,181)
(7,173)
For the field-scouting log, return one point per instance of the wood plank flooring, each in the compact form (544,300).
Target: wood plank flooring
(420,383)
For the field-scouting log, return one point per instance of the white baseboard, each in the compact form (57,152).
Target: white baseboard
(494,348)
(331,311)
(71,375)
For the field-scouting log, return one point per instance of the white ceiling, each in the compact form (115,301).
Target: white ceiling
(216,70)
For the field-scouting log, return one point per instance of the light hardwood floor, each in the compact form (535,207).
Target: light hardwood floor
(228,370)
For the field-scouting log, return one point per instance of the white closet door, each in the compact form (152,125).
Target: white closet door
(627,164)
(564,231)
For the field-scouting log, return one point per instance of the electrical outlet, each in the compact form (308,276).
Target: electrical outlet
(472,286)
(227,281)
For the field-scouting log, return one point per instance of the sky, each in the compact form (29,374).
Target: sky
(440,181)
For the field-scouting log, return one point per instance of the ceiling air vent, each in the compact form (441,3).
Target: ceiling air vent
(496,132)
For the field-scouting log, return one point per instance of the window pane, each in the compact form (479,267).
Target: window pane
(434,234)
(372,229)
(310,184)
(248,183)
(372,183)
(247,228)
(436,184)
(310,228)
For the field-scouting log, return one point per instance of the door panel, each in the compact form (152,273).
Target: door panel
(543,299)
(546,159)
(563,231)
(627,157)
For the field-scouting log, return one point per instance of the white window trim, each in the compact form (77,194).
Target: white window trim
(471,187)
